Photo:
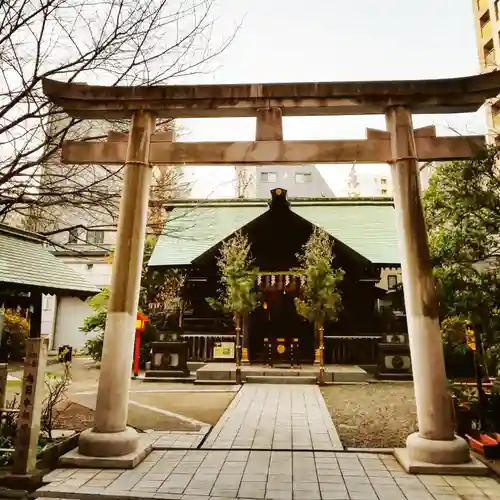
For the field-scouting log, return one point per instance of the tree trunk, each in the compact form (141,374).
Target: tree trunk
(238,349)
(321,341)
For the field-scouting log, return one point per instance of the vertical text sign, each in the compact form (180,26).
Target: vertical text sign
(28,425)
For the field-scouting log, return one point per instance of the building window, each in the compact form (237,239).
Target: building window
(303,177)
(383,180)
(268,177)
(383,191)
(392,281)
(95,237)
(73,236)
(489,54)
(89,266)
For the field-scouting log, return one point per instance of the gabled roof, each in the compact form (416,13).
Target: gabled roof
(192,230)
(367,225)
(26,265)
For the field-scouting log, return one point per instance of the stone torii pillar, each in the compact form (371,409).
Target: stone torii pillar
(110,436)
(435,442)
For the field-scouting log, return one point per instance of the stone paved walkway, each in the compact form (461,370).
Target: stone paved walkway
(275,417)
(270,475)
(168,440)
(302,464)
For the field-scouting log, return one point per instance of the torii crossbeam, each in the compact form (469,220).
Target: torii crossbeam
(434,448)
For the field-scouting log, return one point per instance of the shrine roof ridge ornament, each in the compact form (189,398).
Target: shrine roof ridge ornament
(448,95)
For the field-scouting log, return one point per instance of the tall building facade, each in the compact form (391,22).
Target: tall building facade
(487,22)
(300,181)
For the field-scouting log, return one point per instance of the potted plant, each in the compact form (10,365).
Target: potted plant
(321,300)
(466,407)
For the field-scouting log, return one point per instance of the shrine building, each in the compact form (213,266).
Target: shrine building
(364,236)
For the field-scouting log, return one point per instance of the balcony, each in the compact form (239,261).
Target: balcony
(486,31)
(490,60)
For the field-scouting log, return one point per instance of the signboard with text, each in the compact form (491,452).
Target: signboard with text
(224,350)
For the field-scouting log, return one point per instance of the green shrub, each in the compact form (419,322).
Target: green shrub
(93,347)
(15,332)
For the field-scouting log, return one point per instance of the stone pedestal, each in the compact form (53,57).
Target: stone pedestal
(110,436)
(436,442)
(168,359)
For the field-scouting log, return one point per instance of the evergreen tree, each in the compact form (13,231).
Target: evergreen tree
(321,300)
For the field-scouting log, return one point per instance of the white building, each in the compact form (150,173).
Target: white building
(368,183)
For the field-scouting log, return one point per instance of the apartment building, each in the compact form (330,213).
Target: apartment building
(487,23)
(300,181)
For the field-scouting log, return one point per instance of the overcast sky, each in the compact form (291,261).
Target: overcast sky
(336,40)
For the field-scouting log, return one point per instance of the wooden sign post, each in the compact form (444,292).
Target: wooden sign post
(28,424)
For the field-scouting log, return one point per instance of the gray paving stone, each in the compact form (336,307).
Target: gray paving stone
(275,417)
(306,495)
(389,492)
(336,495)
(278,495)
(198,491)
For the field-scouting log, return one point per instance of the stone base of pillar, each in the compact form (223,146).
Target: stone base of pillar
(75,458)
(106,450)
(425,456)
(108,444)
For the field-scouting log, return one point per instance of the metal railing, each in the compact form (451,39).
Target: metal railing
(201,346)
(352,349)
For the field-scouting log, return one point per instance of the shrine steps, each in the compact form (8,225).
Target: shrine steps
(225,373)
(280,379)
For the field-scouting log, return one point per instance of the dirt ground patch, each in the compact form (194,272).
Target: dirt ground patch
(377,415)
(204,406)
(74,417)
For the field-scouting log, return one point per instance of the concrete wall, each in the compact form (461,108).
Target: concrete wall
(62,318)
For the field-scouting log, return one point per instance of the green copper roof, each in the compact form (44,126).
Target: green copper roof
(365,225)
(370,230)
(25,264)
(191,231)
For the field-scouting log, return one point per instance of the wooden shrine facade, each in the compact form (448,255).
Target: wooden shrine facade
(277,229)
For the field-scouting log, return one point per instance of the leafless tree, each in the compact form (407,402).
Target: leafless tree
(108,42)
(244,179)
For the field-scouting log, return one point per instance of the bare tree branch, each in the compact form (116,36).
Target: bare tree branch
(110,42)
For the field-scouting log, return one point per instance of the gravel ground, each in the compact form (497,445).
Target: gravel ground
(377,415)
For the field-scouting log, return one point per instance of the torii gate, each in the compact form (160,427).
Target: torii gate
(401,146)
